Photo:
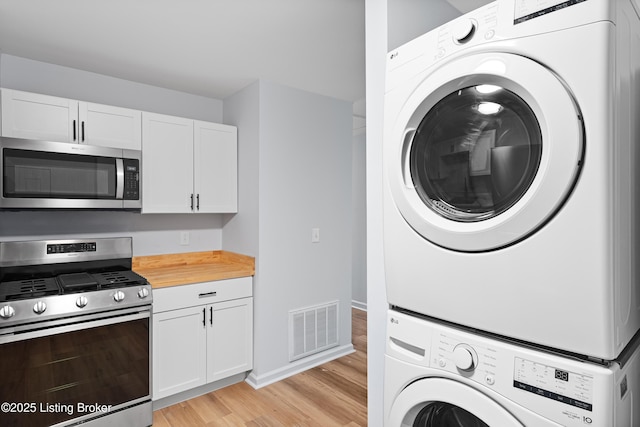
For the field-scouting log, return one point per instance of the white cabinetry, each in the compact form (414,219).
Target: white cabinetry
(201,333)
(189,166)
(215,175)
(49,118)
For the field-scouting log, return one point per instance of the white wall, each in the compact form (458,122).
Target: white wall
(376,49)
(152,234)
(388,23)
(40,77)
(359,221)
(408,19)
(240,232)
(303,171)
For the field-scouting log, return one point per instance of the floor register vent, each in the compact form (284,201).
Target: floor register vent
(312,329)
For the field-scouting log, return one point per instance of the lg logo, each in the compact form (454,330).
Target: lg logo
(394,321)
(587,420)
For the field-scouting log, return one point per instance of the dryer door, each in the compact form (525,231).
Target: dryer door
(484,151)
(438,402)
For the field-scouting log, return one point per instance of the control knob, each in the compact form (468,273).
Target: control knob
(464,357)
(39,307)
(7,312)
(118,296)
(143,293)
(463,31)
(82,301)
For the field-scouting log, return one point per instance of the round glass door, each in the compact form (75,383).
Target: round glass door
(441,414)
(483,152)
(440,402)
(476,153)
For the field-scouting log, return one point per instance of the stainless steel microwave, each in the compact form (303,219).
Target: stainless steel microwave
(57,175)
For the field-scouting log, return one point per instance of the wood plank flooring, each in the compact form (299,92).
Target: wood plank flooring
(333,394)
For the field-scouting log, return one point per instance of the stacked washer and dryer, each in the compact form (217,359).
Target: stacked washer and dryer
(512,218)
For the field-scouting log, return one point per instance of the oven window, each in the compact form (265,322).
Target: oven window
(37,174)
(74,374)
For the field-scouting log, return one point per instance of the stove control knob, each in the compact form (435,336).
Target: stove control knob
(143,293)
(465,357)
(7,312)
(118,296)
(39,307)
(82,302)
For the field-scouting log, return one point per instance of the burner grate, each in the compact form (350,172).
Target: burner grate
(118,279)
(31,288)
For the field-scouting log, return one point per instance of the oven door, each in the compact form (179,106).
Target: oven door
(71,370)
(38,174)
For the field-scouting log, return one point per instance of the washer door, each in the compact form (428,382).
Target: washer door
(484,151)
(437,402)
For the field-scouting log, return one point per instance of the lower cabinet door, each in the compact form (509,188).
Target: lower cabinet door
(179,350)
(229,338)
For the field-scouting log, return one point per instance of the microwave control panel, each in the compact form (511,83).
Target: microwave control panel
(131,179)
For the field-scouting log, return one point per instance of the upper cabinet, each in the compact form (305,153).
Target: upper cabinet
(189,166)
(49,118)
(215,160)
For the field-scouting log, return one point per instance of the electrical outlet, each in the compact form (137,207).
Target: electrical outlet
(184,238)
(315,235)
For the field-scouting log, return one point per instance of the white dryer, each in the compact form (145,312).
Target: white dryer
(511,150)
(437,375)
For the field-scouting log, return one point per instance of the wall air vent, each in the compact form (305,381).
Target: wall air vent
(312,329)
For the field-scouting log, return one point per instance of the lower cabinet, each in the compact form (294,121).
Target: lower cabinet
(201,343)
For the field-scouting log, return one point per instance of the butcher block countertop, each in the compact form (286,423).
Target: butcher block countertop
(193,267)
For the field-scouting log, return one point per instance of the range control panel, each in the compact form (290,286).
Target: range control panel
(66,248)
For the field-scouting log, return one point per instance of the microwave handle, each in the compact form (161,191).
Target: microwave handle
(119,179)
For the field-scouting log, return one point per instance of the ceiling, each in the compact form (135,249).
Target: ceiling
(211,48)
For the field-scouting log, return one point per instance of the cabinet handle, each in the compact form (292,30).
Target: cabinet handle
(198,201)
(204,317)
(211,315)
(191,201)
(83,130)
(74,130)
(207,294)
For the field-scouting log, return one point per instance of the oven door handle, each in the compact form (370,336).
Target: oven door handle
(76,326)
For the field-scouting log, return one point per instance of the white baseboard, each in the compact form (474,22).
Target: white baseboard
(359,305)
(301,365)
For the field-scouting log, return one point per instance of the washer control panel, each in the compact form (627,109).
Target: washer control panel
(469,359)
(570,392)
(572,388)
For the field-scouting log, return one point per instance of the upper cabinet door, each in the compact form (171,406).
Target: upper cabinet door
(215,167)
(108,126)
(42,117)
(49,118)
(167,164)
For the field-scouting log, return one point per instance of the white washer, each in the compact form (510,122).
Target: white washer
(510,169)
(437,375)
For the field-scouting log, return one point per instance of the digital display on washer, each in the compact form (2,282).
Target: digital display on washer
(555,384)
(529,9)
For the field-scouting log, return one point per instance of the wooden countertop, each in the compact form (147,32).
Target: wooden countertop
(193,267)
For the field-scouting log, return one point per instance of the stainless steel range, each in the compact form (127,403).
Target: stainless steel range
(74,334)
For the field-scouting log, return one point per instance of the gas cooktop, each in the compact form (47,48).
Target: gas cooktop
(44,279)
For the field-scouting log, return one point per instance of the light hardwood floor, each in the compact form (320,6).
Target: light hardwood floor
(333,394)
